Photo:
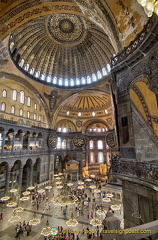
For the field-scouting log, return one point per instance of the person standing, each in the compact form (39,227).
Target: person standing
(1,215)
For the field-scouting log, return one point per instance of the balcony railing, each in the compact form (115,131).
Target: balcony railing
(146,171)
(22,152)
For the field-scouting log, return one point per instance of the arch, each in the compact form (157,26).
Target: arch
(88,123)
(66,125)
(36,171)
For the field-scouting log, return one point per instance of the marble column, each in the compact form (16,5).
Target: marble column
(7,182)
(3,140)
(31,175)
(20,180)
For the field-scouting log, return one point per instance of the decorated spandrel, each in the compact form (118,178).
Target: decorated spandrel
(79,141)
(52,140)
(111,139)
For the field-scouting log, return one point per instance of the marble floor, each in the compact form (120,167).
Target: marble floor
(54,215)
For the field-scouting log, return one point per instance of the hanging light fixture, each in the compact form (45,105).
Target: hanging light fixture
(92,186)
(41,191)
(6,198)
(14,218)
(13,190)
(95,222)
(70,184)
(48,187)
(150,6)
(11,204)
(24,199)
(106,199)
(88,180)
(18,209)
(46,231)
(101,211)
(109,195)
(115,207)
(80,182)
(80,187)
(59,186)
(31,188)
(97,190)
(26,193)
(72,222)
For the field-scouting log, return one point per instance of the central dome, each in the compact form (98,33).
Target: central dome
(62,50)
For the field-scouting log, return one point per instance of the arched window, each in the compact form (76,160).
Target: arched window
(58,143)
(64,130)
(60,81)
(88,79)
(94,78)
(64,144)
(39,118)
(100,144)
(34,116)
(32,71)
(48,78)
(108,67)
(22,97)
(4,93)
(104,71)
(14,96)
(66,82)
(21,112)
(83,80)
(3,107)
(71,82)
(77,81)
(12,110)
(99,75)
(100,157)
(91,144)
(28,101)
(92,157)
(55,80)
(43,76)
(28,114)
(35,106)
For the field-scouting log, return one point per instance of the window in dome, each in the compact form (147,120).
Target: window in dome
(71,82)
(12,110)
(32,71)
(55,80)
(77,81)
(37,74)
(79,114)
(21,112)
(28,114)
(106,111)
(64,130)
(104,71)
(94,129)
(91,144)
(3,107)
(28,101)
(48,79)
(94,77)
(83,80)
(100,144)
(66,82)
(43,76)
(60,81)
(11,46)
(14,95)
(93,114)
(59,129)
(58,143)
(108,67)
(26,67)
(89,79)
(92,157)
(99,75)
(21,63)
(100,157)
(67,113)
(103,129)
(22,97)
(99,129)
(4,93)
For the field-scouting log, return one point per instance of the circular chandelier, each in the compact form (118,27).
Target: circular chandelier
(41,191)
(5,198)
(150,6)
(31,188)
(34,221)
(48,187)
(88,180)
(95,222)
(92,175)
(18,209)
(60,174)
(14,218)
(14,190)
(46,231)
(115,207)
(58,182)
(80,182)
(109,195)
(72,222)
(26,193)
(70,184)
(58,178)
(59,186)
(92,186)
(11,204)
(24,198)
(106,199)
(55,175)
(101,212)
(97,190)
(80,187)
(64,200)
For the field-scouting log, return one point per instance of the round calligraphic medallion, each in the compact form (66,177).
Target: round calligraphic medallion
(52,140)
(78,141)
(111,139)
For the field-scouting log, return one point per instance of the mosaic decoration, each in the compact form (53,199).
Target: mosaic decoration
(66,28)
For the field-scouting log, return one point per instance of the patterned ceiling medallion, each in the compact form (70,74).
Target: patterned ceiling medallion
(66,28)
